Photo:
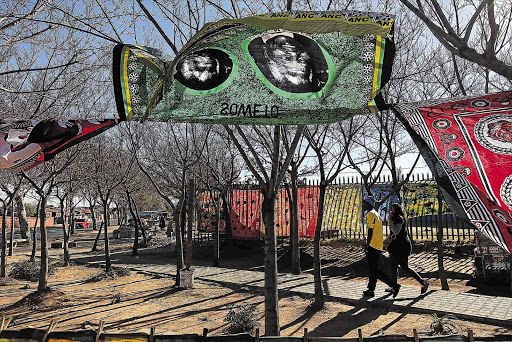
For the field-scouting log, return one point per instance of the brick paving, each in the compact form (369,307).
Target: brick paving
(488,309)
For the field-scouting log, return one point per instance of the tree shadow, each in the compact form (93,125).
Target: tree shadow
(346,322)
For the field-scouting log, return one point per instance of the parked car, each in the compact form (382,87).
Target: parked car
(125,231)
(81,223)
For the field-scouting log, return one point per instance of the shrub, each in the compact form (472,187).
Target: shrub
(116,299)
(27,270)
(241,319)
(112,274)
(445,325)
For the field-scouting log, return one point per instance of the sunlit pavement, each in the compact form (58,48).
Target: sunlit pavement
(489,309)
(474,307)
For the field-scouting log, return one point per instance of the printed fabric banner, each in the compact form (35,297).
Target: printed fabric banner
(27,143)
(420,199)
(293,68)
(467,143)
(282,214)
(208,215)
(245,214)
(308,210)
(342,209)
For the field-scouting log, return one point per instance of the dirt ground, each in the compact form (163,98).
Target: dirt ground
(137,302)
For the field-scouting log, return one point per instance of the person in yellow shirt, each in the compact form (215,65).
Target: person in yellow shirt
(373,248)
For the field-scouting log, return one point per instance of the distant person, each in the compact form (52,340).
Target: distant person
(161,222)
(291,62)
(373,248)
(204,69)
(399,247)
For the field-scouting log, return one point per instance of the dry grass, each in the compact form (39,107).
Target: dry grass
(137,302)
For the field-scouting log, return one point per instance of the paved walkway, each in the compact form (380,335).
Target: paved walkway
(474,307)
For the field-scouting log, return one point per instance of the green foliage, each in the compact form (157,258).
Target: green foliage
(445,325)
(27,270)
(241,319)
(31,210)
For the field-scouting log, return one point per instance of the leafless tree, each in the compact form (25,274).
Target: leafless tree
(260,148)
(331,153)
(219,166)
(44,179)
(167,163)
(111,166)
(10,185)
(296,170)
(478,31)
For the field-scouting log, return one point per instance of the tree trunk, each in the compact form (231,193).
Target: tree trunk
(142,228)
(190,221)
(22,219)
(3,264)
(108,262)
(71,226)
(178,218)
(95,245)
(440,249)
(317,262)
(294,229)
(11,238)
(227,217)
(272,327)
(34,236)
(216,231)
(135,248)
(43,273)
(65,232)
(93,217)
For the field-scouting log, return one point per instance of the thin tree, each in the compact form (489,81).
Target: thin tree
(291,186)
(268,139)
(219,167)
(44,179)
(10,186)
(110,169)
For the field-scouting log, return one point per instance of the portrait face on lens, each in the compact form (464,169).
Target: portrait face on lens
(291,62)
(204,70)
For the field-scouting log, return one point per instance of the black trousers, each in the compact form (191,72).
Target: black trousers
(373,256)
(403,261)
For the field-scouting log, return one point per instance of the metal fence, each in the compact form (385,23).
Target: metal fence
(343,217)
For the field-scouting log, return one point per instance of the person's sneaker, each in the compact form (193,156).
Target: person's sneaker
(368,293)
(389,290)
(424,288)
(396,288)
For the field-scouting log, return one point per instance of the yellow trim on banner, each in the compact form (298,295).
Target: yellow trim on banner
(126,87)
(311,16)
(378,66)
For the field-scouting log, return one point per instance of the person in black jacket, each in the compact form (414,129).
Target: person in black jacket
(399,247)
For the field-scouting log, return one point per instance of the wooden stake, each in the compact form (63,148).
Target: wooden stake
(305,334)
(52,325)
(257,335)
(5,323)
(151,334)
(416,337)
(360,333)
(470,335)
(99,331)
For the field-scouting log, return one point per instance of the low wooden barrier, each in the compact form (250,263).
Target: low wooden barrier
(49,335)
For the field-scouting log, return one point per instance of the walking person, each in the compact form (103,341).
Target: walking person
(399,247)
(374,248)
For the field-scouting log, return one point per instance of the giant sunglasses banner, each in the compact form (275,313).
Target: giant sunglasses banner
(296,68)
